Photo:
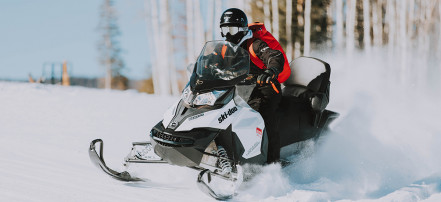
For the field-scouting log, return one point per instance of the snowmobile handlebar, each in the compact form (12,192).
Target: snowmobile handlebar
(252,79)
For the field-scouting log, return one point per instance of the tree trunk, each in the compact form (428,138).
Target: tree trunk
(439,36)
(288,30)
(329,25)
(164,67)
(391,26)
(248,9)
(403,41)
(339,23)
(217,13)
(209,17)
(377,16)
(108,79)
(172,77)
(350,26)
(267,13)
(439,43)
(275,12)
(366,26)
(307,32)
(199,29)
(190,31)
(411,20)
(152,8)
(298,28)
(428,8)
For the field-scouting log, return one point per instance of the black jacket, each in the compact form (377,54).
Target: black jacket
(273,59)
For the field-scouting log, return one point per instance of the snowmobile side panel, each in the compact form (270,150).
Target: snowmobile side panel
(243,117)
(218,118)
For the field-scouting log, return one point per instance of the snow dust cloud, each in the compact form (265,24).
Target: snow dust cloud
(386,139)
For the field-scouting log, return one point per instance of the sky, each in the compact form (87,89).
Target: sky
(34,34)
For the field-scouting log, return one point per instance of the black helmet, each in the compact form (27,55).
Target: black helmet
(234,16)
(234,25)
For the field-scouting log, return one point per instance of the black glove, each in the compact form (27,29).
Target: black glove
(267,76)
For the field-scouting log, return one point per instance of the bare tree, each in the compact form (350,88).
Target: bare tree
(169,69)
(108,46)
(199,28)
(209,17)
(367,25)
(439,37)
(267,13)
(307,32)
(339,22)
(377,16)
(289,51)
(275,23)
(162,49)
(163,71)
(152,23)
(217,14)
(350,26)
(190,31)
(403,40)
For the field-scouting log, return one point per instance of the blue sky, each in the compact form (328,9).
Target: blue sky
(36,32)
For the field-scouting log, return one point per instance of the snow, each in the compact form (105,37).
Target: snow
(384,146)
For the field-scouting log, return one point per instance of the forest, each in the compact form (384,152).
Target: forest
(407,31)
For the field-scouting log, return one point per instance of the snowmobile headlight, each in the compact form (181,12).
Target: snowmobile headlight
(187,95)
(203,99)
(208,98)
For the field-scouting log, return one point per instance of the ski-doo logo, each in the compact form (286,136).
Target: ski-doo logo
(226,114)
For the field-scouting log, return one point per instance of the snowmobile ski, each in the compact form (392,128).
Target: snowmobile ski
(98,161)
(228,187)
(204,187)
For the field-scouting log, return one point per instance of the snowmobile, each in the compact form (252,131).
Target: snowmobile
(212,129)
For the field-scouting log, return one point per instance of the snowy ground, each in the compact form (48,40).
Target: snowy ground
(385,146)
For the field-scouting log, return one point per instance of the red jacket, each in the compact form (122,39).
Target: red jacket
(266,52)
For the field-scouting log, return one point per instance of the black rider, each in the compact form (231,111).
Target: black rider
(266,97)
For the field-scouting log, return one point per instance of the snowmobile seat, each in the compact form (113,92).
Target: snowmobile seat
(309,82)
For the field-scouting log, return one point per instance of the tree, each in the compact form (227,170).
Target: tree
(159,22)
(275,16)
(366,25)
(109,48)
(350,25)
(307,27)
(289,48)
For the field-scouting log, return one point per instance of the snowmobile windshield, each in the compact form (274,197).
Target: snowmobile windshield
(222,61)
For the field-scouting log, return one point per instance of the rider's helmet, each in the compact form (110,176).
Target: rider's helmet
(234,25)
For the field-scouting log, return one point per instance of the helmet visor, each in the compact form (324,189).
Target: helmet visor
(232,29)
